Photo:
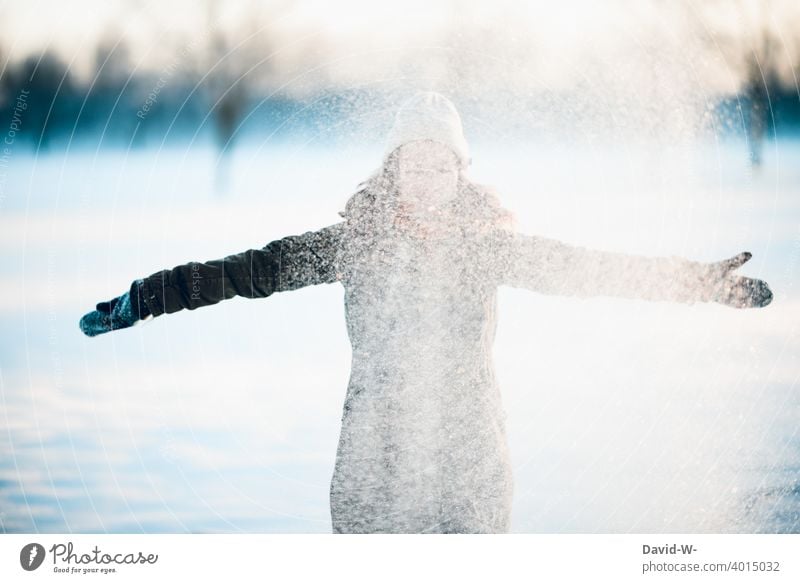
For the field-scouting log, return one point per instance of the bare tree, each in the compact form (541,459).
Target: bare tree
(229,86)
(758,104)
(756,47)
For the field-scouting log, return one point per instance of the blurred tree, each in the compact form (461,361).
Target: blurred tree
(227,88)
(50,94)
(237,68)
(4,86)
(750,36)
(758,104)
(108,105)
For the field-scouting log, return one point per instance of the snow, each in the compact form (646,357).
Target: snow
(623,416)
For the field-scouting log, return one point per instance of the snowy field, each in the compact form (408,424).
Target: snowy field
(623,416)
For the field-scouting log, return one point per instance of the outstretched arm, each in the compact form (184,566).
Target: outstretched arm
(286,264)
(553,267)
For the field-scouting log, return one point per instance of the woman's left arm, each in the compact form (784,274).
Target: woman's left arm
(282,265)
(552,267)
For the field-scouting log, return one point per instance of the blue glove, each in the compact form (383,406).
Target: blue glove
(115,314)
(734,290)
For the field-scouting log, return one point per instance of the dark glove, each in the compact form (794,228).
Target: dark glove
(724,287)
(121,312)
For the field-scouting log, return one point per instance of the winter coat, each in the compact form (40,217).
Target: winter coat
(423,443)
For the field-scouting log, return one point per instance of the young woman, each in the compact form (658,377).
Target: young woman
(420,253)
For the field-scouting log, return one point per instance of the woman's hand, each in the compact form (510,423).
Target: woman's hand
(721,285)
(112,315)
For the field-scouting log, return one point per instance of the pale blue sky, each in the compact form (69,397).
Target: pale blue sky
(546,41)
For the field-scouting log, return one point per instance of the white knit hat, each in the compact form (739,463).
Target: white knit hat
(429,116)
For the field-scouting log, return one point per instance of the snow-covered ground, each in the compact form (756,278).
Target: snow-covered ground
(623,416)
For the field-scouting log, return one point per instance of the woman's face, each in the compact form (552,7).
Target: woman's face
(427,181)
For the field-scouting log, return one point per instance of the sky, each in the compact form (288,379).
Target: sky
(524,44)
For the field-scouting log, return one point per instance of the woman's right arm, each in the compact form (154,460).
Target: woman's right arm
(286,264)
(552,267)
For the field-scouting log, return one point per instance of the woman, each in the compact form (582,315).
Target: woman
(421,252)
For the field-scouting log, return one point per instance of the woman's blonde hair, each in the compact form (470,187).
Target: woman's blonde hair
(370,210)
